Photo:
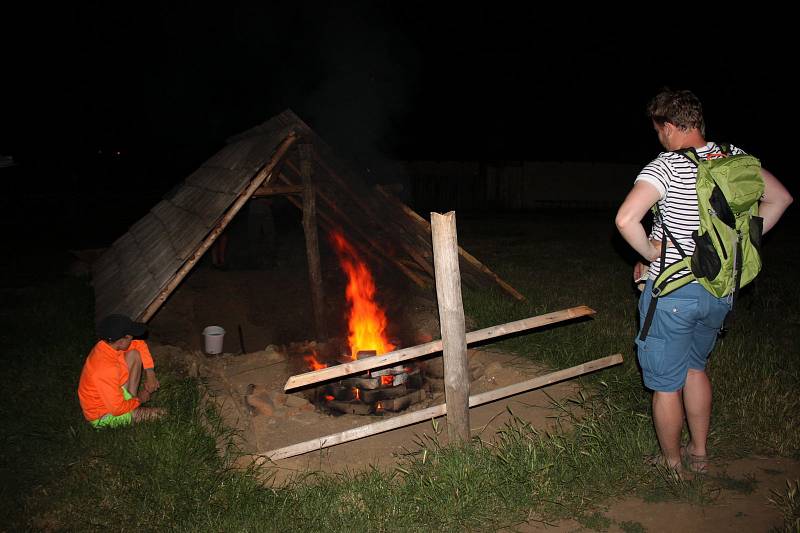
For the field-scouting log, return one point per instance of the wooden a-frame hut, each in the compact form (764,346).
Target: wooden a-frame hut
(282,156)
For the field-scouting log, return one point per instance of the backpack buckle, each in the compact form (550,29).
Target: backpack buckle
(656,291)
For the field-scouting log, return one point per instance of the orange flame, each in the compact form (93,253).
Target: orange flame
(313,363)
(387,380)
(366,320)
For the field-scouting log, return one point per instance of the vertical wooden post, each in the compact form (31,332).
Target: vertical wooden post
(451,321)
(312,242)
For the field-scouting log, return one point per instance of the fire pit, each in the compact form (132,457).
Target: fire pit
(371,393)
(390,389)
(376,391)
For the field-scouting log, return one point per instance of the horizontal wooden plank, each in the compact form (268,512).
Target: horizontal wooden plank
(414,352)
(275,190)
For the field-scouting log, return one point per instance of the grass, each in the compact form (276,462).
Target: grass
(789,505)
(57,473)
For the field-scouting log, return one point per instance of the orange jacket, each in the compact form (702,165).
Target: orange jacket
(102,378)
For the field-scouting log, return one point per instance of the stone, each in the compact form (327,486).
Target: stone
(279,398)
(259,400)
(295,401)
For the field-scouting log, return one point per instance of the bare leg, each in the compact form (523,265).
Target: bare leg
(134,361)
(668,419)
(697,398)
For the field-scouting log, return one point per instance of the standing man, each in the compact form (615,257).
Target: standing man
(109,386)
(686,322)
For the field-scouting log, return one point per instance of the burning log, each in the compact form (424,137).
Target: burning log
(362,383)
(360,366)
(439,410)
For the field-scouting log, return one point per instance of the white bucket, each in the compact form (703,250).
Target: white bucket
(213,336)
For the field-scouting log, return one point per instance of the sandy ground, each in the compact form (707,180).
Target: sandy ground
(289,422)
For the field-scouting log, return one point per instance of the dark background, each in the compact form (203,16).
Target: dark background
(105,108)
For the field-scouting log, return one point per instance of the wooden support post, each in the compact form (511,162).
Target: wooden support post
(438,410)
(451,322)
(312,241)
(262,176)
(414,352)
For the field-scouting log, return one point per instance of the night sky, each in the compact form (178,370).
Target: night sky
(165,86)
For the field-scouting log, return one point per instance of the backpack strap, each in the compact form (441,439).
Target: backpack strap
(690,154)
(651,309)
(664,274)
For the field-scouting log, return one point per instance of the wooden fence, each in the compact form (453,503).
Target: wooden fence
(516,185)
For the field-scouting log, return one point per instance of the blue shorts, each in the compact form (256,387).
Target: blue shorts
(682,335)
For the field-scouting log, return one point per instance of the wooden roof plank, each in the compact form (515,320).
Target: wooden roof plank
(222,158)
(257,151)
(108,268)
(207,178)
(147,230)
(160,257)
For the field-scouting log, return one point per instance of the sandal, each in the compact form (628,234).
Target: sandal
(693,462)
(659,462)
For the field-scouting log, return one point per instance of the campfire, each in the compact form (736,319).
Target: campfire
(377,391)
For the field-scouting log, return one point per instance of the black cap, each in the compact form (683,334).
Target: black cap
(115,327)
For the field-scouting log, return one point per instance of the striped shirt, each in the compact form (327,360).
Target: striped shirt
(674,175)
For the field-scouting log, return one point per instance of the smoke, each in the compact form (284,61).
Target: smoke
(367,77)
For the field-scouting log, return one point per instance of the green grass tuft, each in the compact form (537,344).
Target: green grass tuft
(788,503)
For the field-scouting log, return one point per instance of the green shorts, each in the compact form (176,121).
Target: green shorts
(111,421)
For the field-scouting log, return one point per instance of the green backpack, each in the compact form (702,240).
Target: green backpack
(727,252)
